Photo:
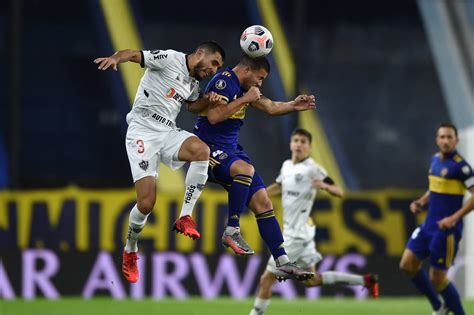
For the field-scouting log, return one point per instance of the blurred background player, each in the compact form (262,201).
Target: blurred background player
(171,80)
(439,235)
(298,182)
(231,167)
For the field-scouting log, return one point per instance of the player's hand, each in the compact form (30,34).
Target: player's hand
(107,62)
(447,223)
(319,184)
(304,102)
(213,97)
(415,207)
(253,94)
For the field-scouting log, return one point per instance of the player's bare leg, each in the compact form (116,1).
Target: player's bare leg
(197,153)
(146,197)
(270,231)
(264,293)
(242,173)
(411,266)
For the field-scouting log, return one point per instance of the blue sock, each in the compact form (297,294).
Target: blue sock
(452,299)
(238,194)
(271,233)
(423,284)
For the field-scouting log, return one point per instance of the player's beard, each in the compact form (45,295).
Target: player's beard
(199,66)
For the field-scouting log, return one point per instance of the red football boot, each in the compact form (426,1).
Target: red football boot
(186,225)
(371,282)
(129,266)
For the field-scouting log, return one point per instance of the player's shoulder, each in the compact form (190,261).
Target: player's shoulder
(310,162)
(223,81)
(459,159)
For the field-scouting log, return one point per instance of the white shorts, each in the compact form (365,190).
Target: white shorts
(147,147)
(303,252)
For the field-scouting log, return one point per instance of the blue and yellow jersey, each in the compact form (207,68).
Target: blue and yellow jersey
(449,177)
(226,133)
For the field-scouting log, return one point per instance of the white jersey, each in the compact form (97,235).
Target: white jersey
(165,86)
(298,197)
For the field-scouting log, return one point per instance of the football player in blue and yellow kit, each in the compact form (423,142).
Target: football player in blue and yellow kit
(439,235)
(231,167)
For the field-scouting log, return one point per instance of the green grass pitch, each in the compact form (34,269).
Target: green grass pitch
(221,306)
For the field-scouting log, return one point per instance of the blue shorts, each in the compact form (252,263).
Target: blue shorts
(441,246)
(219,171)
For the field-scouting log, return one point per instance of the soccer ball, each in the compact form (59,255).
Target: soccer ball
(256,41)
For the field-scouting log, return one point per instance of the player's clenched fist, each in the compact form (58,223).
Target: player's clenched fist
(415,207)
(253,94)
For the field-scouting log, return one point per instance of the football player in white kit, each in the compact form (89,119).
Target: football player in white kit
(299,180)
(171,80)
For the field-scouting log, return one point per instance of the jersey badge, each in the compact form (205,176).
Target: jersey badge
(466,170)
(298,177)
(143,165)
(220,84)
(223,156)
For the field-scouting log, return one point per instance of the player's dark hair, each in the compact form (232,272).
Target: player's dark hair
(212,47)
(448,125)
(255,63)
(302,132)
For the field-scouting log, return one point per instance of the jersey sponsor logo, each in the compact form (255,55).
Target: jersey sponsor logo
(143,165)
(220,84)
(189,193)
(293,193)
(155,52)
(159,57)
(444,172)
(171,93)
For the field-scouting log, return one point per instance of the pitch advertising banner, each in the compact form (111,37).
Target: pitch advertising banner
(69,242)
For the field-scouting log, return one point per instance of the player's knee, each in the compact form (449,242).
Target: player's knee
(407,268)
(245,169)
(200,151)
(145,205)
(439,283)
(263,205)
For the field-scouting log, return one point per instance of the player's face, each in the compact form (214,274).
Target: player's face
(208,65)
(254,78)
(446,139)
(300,147)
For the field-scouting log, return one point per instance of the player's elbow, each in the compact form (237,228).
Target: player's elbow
(213,119)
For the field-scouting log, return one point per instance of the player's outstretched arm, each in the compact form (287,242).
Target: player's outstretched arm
(221,111)
(274,190)
(449,222)
(120,56)
(331,188)
(300,103)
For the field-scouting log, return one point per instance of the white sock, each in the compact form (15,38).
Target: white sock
(195,180)
(283,259)
(259,306)
(334,277)
(136,222)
